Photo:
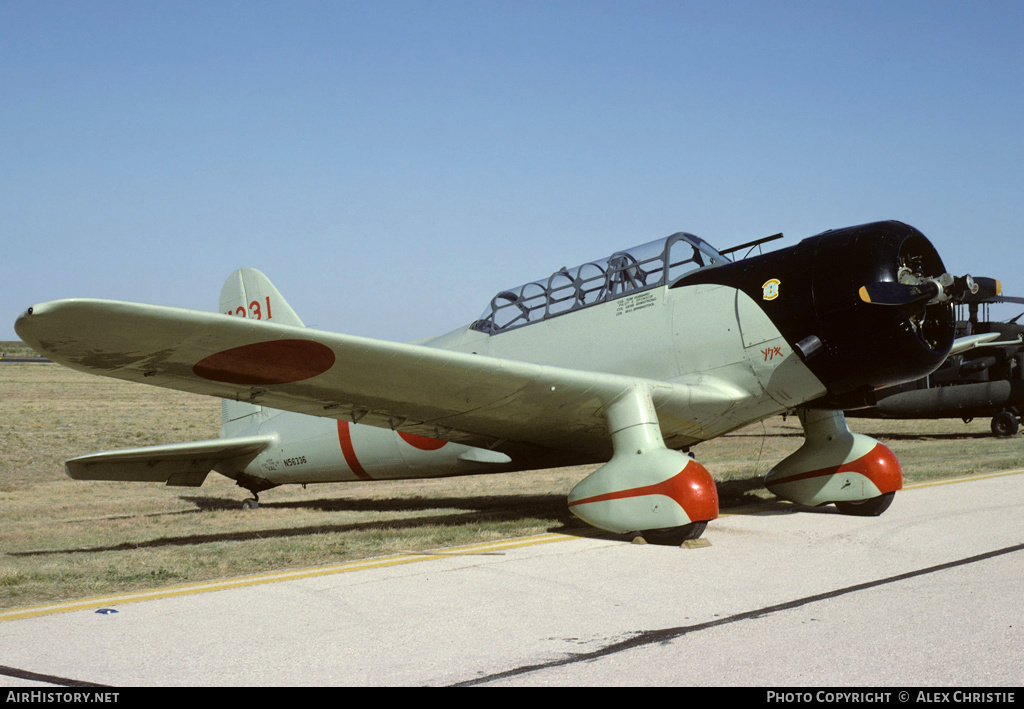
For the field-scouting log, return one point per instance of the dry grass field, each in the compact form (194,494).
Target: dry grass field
(65,539)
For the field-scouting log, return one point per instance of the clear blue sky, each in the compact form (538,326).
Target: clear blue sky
(391,164)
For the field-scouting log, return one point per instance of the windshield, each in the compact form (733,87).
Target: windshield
(649,265)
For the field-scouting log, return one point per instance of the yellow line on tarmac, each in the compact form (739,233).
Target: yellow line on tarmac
(408,557)
(965,479)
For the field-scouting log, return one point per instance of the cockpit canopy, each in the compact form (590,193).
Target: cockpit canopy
(640,268)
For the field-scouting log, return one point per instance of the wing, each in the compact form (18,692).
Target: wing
(962,344)
(184,464)
(477,400)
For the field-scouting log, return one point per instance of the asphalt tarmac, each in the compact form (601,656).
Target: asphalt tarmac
(927,595)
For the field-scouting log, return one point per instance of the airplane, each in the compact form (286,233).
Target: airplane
(987,380)
(629,361)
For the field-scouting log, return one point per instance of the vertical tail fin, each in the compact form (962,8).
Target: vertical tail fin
(249,294)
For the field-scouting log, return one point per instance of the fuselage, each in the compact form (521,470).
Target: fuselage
(700,334)
(763,336)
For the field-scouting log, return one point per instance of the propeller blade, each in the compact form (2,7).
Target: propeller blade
(941,289)
(986,288)
(887,293)
(1005,299)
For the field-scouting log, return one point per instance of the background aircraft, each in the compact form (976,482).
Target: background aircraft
(629,360)
(987,380)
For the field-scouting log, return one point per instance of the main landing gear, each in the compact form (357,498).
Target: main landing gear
(834,465)
(867,508)
(663,494)
(674,536)
(1004,424)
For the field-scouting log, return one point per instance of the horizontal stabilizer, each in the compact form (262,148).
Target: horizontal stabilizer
(182,464)
(484,456)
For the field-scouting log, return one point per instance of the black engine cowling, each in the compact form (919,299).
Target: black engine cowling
(812,292)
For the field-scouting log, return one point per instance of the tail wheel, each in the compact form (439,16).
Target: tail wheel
(867,508)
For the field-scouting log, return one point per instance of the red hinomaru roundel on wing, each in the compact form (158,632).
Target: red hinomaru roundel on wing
(276,362)
(422,442)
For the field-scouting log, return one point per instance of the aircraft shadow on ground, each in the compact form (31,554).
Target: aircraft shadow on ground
(966,436)
(881,435)
(475,510)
